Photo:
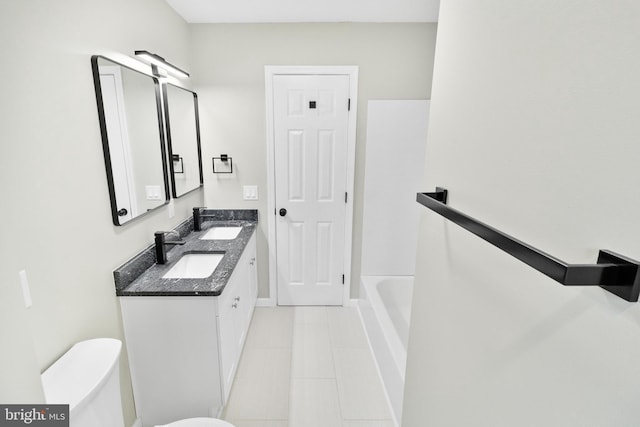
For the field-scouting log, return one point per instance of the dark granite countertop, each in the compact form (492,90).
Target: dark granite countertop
(138,277)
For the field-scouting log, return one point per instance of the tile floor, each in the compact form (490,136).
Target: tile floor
(307,367)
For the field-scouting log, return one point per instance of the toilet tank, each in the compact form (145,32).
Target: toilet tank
(87,378)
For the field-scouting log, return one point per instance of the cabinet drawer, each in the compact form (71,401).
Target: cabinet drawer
(226,300)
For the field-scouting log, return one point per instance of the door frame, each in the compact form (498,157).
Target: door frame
(126,160)
(270,72)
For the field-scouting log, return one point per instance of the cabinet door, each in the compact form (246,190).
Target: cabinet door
(229,350)
(230,324)
(249,292)
(173,355)
(242,301)
(236,308)
(252,278)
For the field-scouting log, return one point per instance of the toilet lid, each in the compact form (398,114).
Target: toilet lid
(199,422)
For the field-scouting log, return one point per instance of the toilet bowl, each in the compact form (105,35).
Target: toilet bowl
(87,379)
(198,422)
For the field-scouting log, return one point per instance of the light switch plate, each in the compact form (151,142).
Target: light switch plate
(154,192)
(250,192)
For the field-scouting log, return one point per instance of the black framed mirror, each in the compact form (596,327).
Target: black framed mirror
(183,139)
(129,110)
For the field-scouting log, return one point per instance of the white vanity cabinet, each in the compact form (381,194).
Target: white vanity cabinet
(184,351)
(235,310)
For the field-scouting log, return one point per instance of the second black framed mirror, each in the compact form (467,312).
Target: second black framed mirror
(183,139)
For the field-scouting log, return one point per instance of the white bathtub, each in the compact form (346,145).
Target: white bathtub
(385,309)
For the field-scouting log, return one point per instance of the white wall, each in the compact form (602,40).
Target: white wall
(534,129)
(395,60)
(55,215)
(394,167)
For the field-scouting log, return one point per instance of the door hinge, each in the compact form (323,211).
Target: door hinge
(343,279)
(349,105)
(345,197)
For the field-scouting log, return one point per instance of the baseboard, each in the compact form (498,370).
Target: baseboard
(265,302)
(268,302)
(353,302)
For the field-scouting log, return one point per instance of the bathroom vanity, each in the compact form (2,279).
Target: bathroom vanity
(185,335)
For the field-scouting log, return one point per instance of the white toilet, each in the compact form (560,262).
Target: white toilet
(87,378)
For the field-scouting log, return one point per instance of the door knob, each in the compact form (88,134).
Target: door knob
(122,212)
(283,212)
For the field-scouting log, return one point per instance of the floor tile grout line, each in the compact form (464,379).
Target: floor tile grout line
(340,403)
(322,320)
(301,345)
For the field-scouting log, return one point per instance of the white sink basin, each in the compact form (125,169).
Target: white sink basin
(194,266)
(221,233)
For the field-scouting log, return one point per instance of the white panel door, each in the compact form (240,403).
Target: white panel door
(118,134)
(310,130)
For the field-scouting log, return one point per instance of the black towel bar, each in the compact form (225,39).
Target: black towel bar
(613,272)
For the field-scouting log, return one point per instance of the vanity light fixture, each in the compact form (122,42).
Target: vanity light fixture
(157,61)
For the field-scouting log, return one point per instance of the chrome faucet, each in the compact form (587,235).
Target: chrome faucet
(161,243)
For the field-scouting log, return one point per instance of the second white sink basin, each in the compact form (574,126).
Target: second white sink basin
(222,233)
(194,266)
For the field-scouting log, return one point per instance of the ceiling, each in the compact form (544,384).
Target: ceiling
(275,11)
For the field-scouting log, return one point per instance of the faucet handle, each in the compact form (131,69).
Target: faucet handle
(162,234)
